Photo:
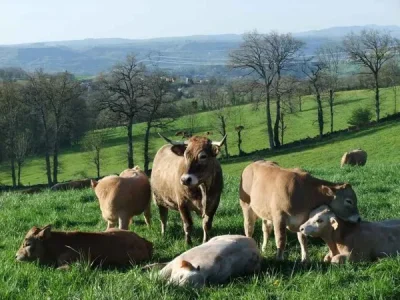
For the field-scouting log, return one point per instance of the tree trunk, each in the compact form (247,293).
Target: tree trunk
(395,98)
(320,115)
(146,148)
(223,127)
(269,121)
(331,107)
(377,101)
(130,144)
(48,168)
(277,121)
(55,162)
(240,142)
(282,127)
(14,179)
(98,163)
(19,165)
(299,102)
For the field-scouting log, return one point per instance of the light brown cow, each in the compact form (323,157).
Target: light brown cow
(221,258)
(364,241)
(356,157)
(187,176)
(125,196)
(283,198)
(71,185)
(111,248)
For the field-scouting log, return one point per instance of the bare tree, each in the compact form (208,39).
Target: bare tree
(93,143)
(159,111)
(208,93)
(391,74)
(124,92)
(254,54)
(313,70)
(285,49)
(23,142)
(222,114)
(371,49)
(329,56)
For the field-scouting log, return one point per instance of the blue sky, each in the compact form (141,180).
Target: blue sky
(24,21)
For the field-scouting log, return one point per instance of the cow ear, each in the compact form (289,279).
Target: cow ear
(45,233)
(178,149)
(326,190)
(93,183)
(334,223)
(187,265)
(215,150)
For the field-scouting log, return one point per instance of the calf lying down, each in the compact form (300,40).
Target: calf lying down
(364,241)
(214,262)
(111,248)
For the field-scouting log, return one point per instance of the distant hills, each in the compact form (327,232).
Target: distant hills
(202,55)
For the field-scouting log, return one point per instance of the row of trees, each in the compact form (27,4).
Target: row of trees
(270,56)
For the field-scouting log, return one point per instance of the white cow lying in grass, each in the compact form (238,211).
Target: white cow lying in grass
(364,241)
(214,262)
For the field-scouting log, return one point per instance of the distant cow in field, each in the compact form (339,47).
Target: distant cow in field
(187,176)
(122,197)
(111,248)
(216,261)
(364,241)
(284,198)
(71,185)
(355,157)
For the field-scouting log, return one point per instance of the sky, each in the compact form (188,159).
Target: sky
(26,21)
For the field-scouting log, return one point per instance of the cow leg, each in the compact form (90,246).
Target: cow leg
(303,245)
(147,215)
(280,236)
(208,218)
(123,222)
(187,223)
(163,217)
(249,217)
(111,224)
(267,229)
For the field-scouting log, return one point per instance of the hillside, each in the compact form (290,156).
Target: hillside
(75,163)
(201,55)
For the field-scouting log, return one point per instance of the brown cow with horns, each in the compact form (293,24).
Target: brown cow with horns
(187,176)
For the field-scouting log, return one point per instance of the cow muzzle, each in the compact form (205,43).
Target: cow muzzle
(189,180)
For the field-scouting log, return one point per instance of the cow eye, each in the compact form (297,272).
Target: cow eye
(202,156)
(319,221)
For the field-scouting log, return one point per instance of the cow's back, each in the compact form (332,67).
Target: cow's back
(166,172)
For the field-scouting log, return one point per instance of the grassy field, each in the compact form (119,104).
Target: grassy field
(377,186)
(75,164)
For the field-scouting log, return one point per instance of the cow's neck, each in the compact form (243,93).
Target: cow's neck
(329,240)
(341,234)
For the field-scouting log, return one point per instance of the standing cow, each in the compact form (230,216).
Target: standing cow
(187,176)
(355,157)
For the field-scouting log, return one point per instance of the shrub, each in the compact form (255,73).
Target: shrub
(360,117)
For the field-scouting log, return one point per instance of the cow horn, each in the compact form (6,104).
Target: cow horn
(219,144)
(175,143)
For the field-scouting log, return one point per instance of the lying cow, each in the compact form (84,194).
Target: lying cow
(356,157)
(364,241)
(284,198)
(216,261)
(111,248)
(122,197)
(71,185)
(187,176)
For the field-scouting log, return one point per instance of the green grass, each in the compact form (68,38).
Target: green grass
(377,186)
(75,164)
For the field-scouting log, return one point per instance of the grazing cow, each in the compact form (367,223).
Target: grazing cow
(283,198)
(70,185)
(216,261)
(122,197)
(187,176)
(355,157)
(111,248)
(364,241)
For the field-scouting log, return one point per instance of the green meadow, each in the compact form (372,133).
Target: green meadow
(377,186)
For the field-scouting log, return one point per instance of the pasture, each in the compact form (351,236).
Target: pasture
(377,186)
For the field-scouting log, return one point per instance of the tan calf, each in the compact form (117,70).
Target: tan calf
(283,198)
(356,157)
(113,247)
(122,197)
(364,241)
